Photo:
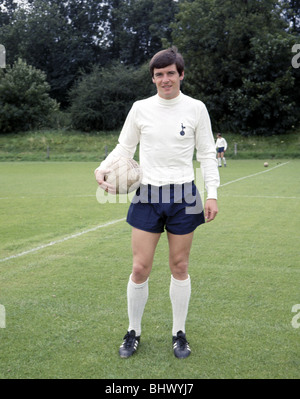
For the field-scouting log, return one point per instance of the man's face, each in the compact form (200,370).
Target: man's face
(167,81)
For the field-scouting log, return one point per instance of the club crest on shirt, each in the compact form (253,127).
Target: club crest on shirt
(182,132)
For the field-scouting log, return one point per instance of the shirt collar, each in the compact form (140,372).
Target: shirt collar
(170,102)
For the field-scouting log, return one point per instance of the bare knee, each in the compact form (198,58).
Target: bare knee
(140,272)
(179,268)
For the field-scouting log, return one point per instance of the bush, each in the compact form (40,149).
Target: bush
(266,103)
(24,98)
(101,99)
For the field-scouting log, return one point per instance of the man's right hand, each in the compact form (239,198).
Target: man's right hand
(100,178)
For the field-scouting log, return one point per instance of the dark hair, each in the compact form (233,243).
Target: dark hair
(165,58)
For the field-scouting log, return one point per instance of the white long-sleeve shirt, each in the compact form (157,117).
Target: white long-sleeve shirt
(168,131)
(221,142)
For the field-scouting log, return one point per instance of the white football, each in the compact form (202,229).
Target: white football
(266,164)
(124,174)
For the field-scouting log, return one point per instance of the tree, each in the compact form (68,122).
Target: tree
(136,28)
(100,100)
(57,37)
(7,8)
(62,37)
(24,98)
(291,11)
(226,68)
(264,103)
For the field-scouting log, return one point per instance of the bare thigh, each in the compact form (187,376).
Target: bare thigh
(143,250)
(179,252)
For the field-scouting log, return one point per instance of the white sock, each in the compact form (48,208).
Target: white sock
(180,292)
(137,296)
(220,161)
(224,161)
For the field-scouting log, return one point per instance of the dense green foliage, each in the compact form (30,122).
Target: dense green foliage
(239,63)
(62,37)
(101,99)
(238,56)
(24,98)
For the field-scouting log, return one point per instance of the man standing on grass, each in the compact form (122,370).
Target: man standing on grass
(221,146)
(168,126)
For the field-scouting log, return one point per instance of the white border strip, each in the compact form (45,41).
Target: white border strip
(62,240)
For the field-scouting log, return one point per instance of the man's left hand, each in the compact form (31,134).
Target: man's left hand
(211,209)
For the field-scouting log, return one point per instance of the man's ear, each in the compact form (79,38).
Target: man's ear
(181,76)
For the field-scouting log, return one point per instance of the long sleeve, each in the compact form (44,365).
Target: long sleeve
(167,132)
(128,140)
(206,154)
(225,144)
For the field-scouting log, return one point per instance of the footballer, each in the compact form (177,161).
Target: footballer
(168,127)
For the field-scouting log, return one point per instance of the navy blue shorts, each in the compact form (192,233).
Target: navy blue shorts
(176,207)
(221,149)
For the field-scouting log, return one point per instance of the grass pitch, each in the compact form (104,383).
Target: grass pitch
(64,272)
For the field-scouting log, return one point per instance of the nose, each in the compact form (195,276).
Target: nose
(165,78)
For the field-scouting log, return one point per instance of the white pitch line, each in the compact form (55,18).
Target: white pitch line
(62,240)
(48,196)
(255,174)
(115,221)
(259,196)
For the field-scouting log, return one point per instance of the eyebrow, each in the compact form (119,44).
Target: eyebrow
(169,73)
